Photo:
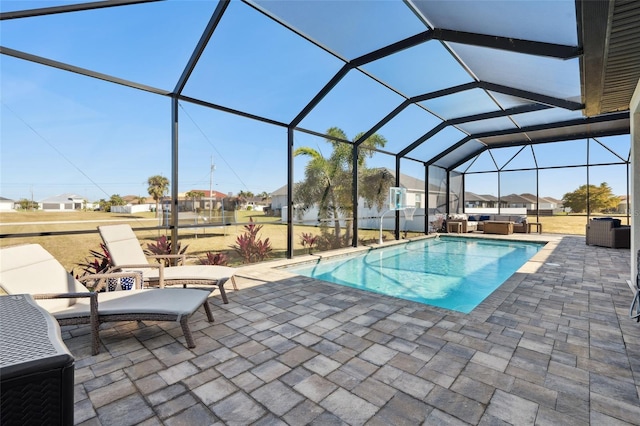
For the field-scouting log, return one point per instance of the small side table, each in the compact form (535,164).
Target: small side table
(538,226)
(454,227)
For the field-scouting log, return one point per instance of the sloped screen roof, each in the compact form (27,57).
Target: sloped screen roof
(460,75)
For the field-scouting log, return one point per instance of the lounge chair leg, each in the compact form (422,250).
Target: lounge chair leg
(223,293)
(94,322)
(187,333)
(207,309)
(95,341)
(233,281)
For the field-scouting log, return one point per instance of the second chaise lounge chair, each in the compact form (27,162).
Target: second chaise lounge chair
(126,254)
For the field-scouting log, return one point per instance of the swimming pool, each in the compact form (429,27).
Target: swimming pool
(448,272)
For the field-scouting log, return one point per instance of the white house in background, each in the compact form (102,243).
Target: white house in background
(278,200)
(7,205)
(476,201)
(253,203)
(134,205)
(369,217)
(62,202)
(557,204)
(415,193)
(517,201)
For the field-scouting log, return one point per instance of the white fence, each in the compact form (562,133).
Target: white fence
(130,209)
(367,219)
(510,211)
(370,218)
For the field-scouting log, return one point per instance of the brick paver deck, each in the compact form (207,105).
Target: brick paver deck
(554,345)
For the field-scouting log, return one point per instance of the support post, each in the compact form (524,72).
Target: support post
(426,200)
(354,196)
(397,221)
(634,107)
(289,192)
(174,174)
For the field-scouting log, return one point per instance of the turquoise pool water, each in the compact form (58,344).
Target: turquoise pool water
(448,272)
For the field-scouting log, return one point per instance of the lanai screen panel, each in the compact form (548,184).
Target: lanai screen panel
(546,116)
(361,62)
(468,148)
(549,76)
(432,64)
(425,68)
(344,107)
(265,70)
(461,104)
(515,72)
(144,43)
(409,125)
(347,28)
(553,23)
(437,191)
(456,188)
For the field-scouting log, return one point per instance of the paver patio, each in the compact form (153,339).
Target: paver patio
(554,345)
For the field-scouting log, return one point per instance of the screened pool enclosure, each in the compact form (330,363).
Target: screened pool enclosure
(319,105)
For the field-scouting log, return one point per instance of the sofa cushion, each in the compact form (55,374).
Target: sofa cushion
(616,222)
(484,217)
(458,216)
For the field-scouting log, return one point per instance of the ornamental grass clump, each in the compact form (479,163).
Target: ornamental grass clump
(99,264)
(308,240)
(162,247)
(214,259)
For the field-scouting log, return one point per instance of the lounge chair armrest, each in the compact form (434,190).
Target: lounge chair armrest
(93,311)
(102,278)
(44,296)
(159,266)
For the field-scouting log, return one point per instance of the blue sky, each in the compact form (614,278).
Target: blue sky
(66,133)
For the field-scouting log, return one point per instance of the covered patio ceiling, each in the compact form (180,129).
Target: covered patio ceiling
(485,73)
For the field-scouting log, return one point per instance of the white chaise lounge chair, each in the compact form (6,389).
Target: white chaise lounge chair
(127,254)
(30,269)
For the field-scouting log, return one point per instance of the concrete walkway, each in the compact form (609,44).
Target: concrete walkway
(552,346)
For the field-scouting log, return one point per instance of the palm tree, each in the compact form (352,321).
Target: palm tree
(195,195)
(243,197)
(158,186)
(328,180)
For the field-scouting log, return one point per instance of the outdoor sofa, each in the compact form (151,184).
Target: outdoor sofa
(467,224)
(519,221)
(475,222)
